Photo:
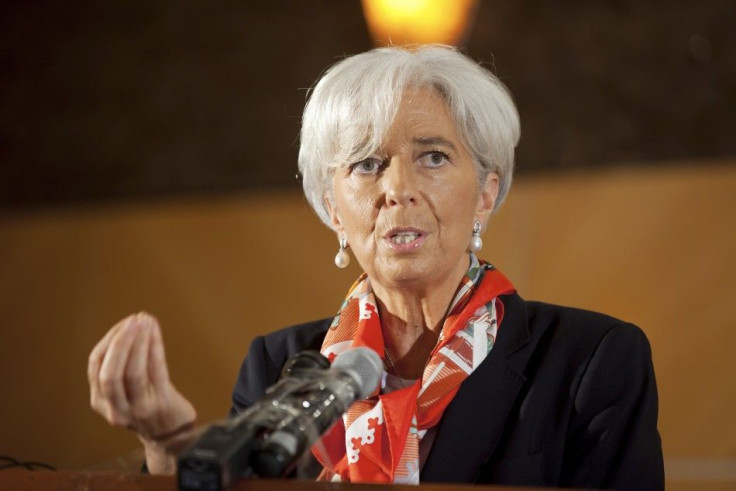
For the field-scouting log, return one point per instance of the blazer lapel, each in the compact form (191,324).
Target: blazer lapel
(474,421)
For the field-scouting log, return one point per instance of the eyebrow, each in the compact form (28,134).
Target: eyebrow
(434,140)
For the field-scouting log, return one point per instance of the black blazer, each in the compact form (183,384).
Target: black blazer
(566,397)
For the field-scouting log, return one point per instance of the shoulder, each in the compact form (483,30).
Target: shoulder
(267,355)
(583,328)
(293,339)
(553,338)
(605,366)
(271,351)
(598,356)
(575,318)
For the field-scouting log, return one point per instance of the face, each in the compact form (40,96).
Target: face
(408,211)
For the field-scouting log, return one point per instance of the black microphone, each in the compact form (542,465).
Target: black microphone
(311,410)
(268,438)
(304,360)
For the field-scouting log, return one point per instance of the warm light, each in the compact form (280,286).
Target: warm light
(401,22)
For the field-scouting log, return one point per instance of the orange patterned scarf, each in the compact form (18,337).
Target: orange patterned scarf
(378,438)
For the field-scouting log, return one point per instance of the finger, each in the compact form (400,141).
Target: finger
(98,352)
(158,371)
(113,365)
(96,399)
(136,368)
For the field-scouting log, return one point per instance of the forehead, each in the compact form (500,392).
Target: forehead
(422,112)
(423,106)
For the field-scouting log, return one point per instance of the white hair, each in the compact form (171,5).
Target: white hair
(353,105)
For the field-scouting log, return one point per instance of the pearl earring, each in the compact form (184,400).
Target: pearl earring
(476,243)
(342,258)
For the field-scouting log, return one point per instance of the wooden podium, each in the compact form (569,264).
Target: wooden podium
(12,480)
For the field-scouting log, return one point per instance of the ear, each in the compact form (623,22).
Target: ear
(332,211)
(487,198)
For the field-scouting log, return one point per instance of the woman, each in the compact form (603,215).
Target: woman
(405,154)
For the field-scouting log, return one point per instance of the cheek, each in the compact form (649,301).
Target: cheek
(455,204)
(356,209)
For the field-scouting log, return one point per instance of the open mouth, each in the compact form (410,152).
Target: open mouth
(404,237)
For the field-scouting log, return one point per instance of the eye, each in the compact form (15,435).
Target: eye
(434,158)
(367,166)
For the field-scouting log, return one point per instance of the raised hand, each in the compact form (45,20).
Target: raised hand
(130,386)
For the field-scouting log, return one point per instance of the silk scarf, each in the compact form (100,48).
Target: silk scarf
(378,438)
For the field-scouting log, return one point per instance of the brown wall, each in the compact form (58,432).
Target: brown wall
(653,246)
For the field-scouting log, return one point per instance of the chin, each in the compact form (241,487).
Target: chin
(407,272)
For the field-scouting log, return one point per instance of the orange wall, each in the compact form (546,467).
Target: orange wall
(653,246)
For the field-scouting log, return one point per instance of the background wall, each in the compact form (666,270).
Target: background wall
(654,247)
(103,101)
(147,162)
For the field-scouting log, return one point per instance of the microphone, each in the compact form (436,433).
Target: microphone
(304,360)
(354,375)
(267,439)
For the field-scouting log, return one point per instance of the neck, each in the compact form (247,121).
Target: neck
(411,321)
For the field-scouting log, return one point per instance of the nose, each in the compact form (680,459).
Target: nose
(400,181)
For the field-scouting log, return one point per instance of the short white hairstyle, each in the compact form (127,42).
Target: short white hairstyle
(352,106)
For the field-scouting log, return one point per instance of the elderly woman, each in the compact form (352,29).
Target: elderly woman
(405,154)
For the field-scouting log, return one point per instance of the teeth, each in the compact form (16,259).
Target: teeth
(404,237)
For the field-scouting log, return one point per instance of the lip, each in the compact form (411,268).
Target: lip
(409,246)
